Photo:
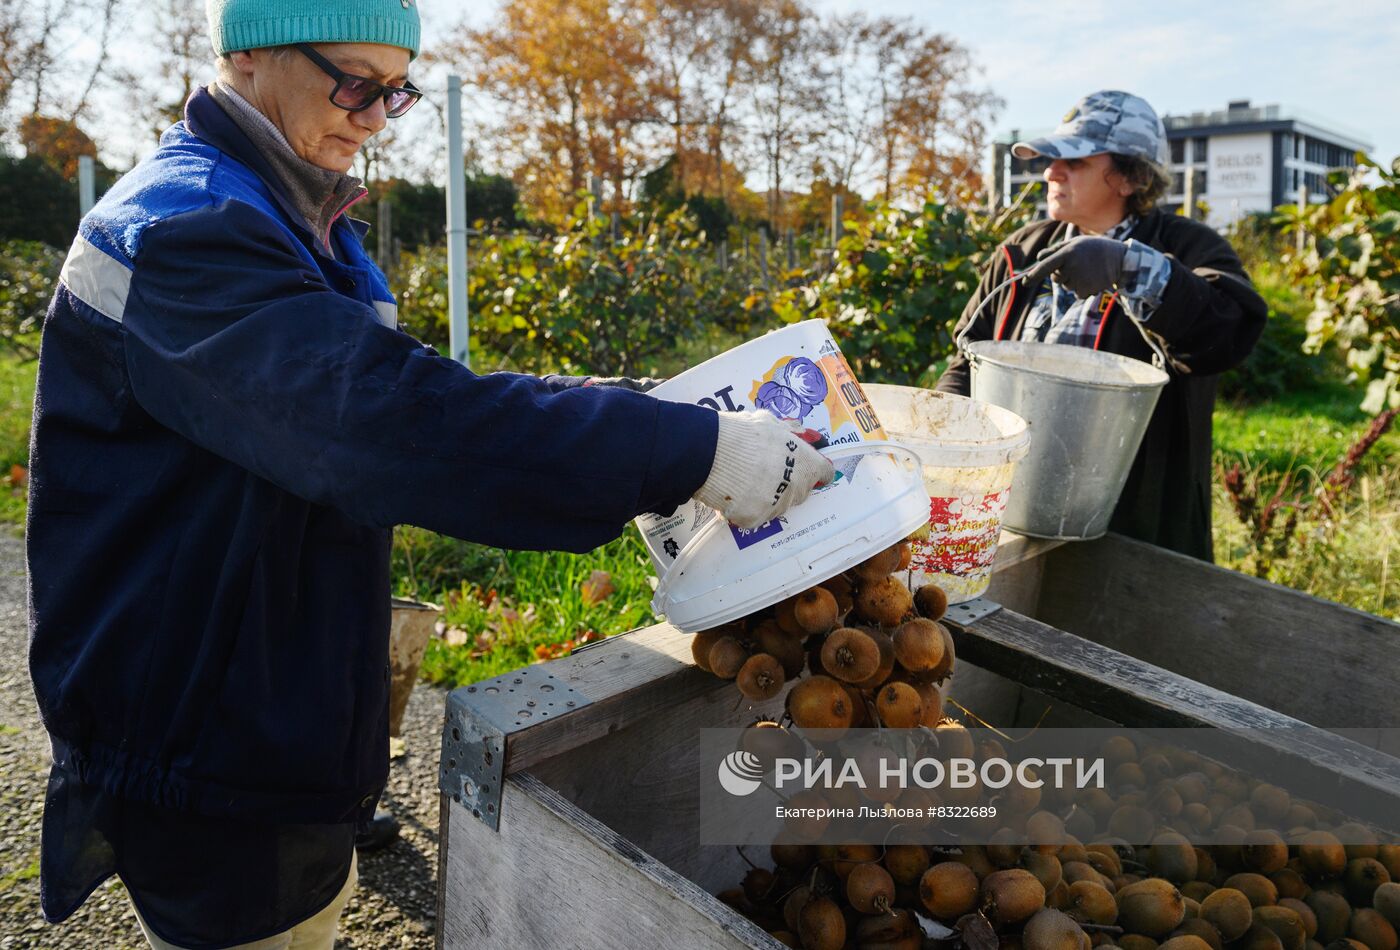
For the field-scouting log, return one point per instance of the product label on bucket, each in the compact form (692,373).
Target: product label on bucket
(821,394)
(963,534)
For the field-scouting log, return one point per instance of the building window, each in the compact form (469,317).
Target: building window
(1178,151)
(1199,151)
(1201,186)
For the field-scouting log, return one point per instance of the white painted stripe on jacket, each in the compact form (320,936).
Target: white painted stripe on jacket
(388,313)
(96,278)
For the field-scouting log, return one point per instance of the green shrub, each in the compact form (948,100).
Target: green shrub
(28,275)
(582,301)
(900,282)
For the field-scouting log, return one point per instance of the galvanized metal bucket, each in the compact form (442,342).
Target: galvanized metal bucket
(1087,412)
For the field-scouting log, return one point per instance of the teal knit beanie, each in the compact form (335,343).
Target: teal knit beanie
(251,24)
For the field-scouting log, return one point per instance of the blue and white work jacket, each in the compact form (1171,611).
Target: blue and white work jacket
(226,426)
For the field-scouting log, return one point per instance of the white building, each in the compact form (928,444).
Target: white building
(1243,159)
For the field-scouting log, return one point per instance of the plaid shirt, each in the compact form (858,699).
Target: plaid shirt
(1058,316)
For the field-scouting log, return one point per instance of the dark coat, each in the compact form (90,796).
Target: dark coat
(226,426)
(1210,319)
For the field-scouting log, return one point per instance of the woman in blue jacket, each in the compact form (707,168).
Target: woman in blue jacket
(227,425)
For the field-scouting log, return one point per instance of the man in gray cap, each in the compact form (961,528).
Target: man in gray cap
(1110,271)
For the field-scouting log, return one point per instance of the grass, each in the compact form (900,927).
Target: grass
(520,605)
(1301,429)
(16,407)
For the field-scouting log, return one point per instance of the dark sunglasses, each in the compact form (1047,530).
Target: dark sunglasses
(357,93)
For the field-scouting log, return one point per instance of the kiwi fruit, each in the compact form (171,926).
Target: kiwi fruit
(906,862)
(1132,823)
(841,588)
(791,855)
(1370,928)
(814,611)
(1050,929)
(1258,888)
(796,899)
(703,642)
(931,601)
(768,741)
(787,938)
(884,601)
(770,639)
(1389,855)
(897,930)
(949,890)
(1200,928)
(878,566)
(1184,942)
(1386,900)
(1173,857)
(761,677)
(1045,867)
(1136,942)
(1258,937)
(727,657)
(785,618)
(1304,912)
(842,859)
(1229,911)
(886,667)
(1091,903)
(1361,877)
(1346,943)
(819,702)
(1005,847)
(1153,907)
(821,925)
(975,857)
(1322,855)
(918,645)
(870,889)
(1011,896)
(1289,883)
(1286,924)
(1333,914)
(1198,891)
(1263,850)
(899,706)
(1360,841)
(1270,802)
(850,655)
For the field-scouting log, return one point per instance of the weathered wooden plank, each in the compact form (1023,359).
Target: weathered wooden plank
(1137,694)
(643,781)
(1317,661)
(554,876)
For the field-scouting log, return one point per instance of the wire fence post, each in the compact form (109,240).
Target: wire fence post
(87,184)
(458,327)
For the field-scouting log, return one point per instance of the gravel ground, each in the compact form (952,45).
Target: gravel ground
(392,907)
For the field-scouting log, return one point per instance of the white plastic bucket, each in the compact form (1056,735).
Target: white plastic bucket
(969,451)
(710,571)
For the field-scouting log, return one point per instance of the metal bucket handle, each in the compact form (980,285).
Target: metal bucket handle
(688,552)
(1159,357)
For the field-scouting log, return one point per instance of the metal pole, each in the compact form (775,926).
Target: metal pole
(87,185)
(1301,238)
(1188,195)
(386,235)
(458,332)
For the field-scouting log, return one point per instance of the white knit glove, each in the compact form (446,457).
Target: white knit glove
(761,469)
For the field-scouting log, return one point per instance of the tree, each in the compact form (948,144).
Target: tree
(786,92)
(36,202)
(567,76)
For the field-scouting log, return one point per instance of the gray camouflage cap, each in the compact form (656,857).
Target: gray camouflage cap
(1105,121)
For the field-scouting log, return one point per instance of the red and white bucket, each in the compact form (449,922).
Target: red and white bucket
(969,451)
(712,572)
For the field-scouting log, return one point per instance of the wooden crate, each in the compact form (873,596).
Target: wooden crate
(579,756)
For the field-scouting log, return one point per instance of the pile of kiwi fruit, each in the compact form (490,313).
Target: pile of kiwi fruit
(859,650)
(1293,876)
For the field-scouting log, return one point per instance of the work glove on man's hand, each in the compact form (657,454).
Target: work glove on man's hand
(1086,265)
(644,384)
(762,468)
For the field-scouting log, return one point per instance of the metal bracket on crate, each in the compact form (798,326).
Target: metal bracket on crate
(969,612)
(479,718)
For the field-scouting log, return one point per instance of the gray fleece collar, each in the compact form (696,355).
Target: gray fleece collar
(318,194)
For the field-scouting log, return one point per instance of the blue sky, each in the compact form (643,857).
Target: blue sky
(1339,61)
